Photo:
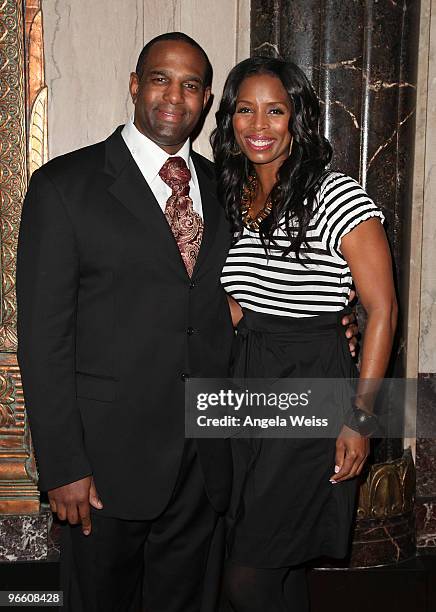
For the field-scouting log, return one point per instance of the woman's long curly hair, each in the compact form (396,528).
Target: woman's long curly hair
(293,196)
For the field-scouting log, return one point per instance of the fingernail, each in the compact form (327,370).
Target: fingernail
(86,532)
(333,481)
(337,468)
(99,504)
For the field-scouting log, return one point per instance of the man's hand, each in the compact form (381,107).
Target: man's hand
(71,502)
(349,321)
(352,449)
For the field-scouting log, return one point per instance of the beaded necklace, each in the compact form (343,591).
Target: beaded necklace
(248,194)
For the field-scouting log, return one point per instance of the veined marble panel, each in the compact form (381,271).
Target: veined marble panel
(426,447)
(426,526)
(25,537)
(427,352)
(426,467)
(418,193)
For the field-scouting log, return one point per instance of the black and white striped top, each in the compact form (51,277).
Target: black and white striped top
(321,281)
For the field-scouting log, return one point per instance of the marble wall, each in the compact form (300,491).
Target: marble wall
(422,322)
(427,336)
(91,48)
(361,58)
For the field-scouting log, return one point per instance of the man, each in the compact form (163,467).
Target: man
(118,306)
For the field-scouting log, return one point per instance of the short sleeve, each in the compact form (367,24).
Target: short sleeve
(345,204)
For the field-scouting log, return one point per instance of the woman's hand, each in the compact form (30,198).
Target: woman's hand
(235,310)
(352,331)
(352,450)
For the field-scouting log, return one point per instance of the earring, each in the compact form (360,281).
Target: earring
(290,146)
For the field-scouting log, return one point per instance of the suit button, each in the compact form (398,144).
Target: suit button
(192,285)
(184,376)
(190,331)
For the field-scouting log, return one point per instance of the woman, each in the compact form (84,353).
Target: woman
(301,234)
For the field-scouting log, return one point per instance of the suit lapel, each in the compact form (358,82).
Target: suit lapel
(210,206)
(132,191)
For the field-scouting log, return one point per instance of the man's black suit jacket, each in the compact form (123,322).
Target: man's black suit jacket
(110,325)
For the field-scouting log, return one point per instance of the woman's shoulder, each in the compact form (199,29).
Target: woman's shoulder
(335,183)
(343,204)
(338,190)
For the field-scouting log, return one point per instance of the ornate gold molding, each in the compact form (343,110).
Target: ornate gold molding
(36,88)
(23,102)
(13,171)
(389,489)
(18,489)
(7,398)
(38,153)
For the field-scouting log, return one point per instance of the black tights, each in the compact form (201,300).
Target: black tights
(251,589)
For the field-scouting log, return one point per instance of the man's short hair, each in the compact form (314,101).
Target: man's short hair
(175,36)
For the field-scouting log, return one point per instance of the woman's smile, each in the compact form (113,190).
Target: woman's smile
(259,143)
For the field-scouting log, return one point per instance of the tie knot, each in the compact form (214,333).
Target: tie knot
(176,174)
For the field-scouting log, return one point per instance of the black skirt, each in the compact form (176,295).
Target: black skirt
(284,510)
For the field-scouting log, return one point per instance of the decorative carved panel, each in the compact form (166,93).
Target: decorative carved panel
(18,491)
(389,489)
(36,88)
(23,148)
(13,171)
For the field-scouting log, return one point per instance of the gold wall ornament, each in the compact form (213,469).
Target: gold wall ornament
(37,92)
(7,399)
(23,148)
(384,530)
(389,489)
(18,489)
(38,150)
(13,172)
(384,533)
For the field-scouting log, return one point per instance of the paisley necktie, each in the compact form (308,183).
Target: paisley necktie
(185,223)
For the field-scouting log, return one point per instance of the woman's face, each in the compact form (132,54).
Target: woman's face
(261,120)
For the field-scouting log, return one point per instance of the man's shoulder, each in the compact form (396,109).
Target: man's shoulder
(204,163)
(85,162)
(81,161)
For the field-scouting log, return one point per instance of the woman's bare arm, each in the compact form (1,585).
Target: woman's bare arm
(367,253)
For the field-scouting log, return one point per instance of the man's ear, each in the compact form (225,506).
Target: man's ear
(207,93)
(133,86)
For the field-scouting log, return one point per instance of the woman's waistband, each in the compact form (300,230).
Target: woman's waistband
(272,324)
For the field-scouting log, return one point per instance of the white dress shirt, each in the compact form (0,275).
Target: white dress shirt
(150,158)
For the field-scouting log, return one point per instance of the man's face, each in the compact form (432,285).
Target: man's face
(170,96)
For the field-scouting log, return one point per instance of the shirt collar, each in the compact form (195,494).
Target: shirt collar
(148,154)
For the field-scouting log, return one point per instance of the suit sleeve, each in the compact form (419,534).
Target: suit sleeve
(47,289)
